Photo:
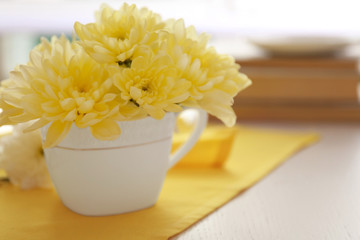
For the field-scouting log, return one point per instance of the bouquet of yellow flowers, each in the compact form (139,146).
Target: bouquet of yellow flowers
(127,65)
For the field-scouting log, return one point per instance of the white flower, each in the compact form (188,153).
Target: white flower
(21,156)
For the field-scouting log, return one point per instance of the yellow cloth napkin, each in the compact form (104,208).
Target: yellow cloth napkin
(211,150)
(188,195)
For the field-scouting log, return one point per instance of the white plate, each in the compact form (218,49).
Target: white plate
(301,45)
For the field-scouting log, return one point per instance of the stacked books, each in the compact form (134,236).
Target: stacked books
(300,88)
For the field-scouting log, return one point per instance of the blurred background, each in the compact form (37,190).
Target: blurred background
(301,55)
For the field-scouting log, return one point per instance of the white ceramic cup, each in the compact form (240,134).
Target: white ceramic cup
(97,178)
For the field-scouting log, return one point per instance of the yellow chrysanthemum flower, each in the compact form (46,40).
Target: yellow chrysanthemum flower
(127,65)
(117,33)
(215,78)
(60,85)
(152,83)
(7,111)
(224,81)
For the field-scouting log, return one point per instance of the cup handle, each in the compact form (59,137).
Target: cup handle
(201,122)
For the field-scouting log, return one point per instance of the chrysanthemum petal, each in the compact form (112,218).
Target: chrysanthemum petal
(56,133)
(173,108)
(86,106)
(135,93)
(109,97)
(36,125)
(106,130)
(24,117)
(154,112)
(68,104)
(32,104)
(71,116)
(51,107)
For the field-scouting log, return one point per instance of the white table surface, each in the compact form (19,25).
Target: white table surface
(315,194)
